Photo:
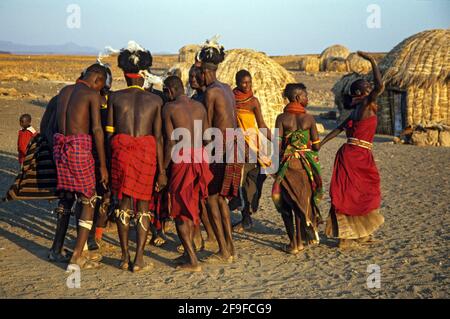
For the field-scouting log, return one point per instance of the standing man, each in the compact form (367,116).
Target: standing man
(78,114)
(220,105)
(134,131)
(189,174)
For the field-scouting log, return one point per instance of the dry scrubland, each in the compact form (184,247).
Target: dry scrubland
(412,253)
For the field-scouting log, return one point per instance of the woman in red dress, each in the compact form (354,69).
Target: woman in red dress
(355,185)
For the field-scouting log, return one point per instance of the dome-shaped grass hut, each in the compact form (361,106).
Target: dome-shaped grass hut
(416,76)
(188,52)
(309,64)
(417,88)
(269,78)
(335,51)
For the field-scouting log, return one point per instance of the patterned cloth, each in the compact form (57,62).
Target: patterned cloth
(37,178)
(297,146)
(133,166)
(227,176)
(74,163)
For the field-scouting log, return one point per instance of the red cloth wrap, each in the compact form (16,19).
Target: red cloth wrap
(75,165)
(133,166)
(189,185)
(24,138)
(355,184)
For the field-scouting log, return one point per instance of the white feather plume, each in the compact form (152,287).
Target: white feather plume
(210,45)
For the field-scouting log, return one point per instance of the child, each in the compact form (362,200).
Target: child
(25,135)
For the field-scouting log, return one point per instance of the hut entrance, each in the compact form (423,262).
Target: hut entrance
(398,108)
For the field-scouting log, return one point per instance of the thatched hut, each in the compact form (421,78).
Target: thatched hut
(335,51)
(269,78)
(416,77)
(417,88)
(188,52)
(358,64)
(310,64)
(336,64)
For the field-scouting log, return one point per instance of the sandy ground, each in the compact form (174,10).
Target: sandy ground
(413,252)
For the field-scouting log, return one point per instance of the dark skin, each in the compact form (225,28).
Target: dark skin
(220,105)
(136,113)
(181,112)
(286,122)
(367,107)
(78,112)
(197,82)
(245,85)
(363,109)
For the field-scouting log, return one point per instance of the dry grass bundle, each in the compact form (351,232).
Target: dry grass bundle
(310,64)
(269,79)
(188,52)
(358,64)
(335,51)
(420,60)
(335,64)
(419,65)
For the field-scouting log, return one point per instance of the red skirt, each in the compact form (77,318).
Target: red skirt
(355,185)
(75,165)
(189,186)
(133,166)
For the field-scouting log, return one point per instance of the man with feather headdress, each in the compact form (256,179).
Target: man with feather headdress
(134,131)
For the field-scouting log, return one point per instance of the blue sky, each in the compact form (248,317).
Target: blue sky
(272,26)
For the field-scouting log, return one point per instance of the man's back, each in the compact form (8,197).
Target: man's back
(222,96)
(78,110)
(134,111)
(184,112)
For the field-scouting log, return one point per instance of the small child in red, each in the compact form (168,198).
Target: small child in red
(25,135)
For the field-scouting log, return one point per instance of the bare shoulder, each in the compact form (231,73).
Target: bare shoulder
(153,98)
(168,109)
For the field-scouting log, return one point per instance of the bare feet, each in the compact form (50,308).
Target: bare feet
(158,240)
(83,263)
(289,249)
(142,267)
(218,259)
(92,256)
(189,267)
(347,243)
(125,262)
(210,244)
(58,257)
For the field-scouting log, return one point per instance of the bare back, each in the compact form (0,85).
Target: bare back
(78,110)
(288,122)
(220,103)
(182,113)
(135,112)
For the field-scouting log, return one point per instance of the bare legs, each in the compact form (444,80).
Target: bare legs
(124,214)
(219,215)
(84,226)
(186,229)
(63,212)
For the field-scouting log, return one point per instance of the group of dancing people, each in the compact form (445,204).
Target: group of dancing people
(118,151)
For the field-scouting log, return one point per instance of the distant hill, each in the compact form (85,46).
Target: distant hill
(69,48)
